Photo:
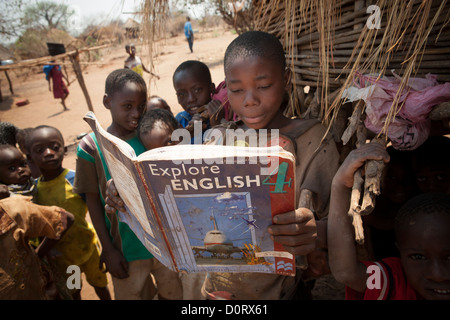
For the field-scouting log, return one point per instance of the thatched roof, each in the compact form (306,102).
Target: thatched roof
(130,23)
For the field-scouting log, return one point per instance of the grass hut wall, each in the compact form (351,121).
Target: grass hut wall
(334,45)
(330,43)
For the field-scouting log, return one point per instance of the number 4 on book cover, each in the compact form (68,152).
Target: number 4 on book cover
(203,208)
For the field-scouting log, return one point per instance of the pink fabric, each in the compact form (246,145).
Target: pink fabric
(411,126)
(221,95)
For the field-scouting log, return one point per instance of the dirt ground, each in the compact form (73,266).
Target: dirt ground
(209,47)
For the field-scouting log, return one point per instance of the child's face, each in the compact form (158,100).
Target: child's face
(127,107)
(131,50)
(13,167)
(435,179)
(47,149)
(193,90)
(424,247)
(256,87)
(159,136)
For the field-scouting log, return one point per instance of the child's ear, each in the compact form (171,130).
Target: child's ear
(212,88)
(106,101)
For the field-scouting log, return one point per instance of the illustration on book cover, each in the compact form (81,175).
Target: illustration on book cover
(230,227)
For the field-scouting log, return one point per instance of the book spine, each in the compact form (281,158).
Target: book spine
(149,194)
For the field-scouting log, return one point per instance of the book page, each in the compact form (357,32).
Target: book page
(129,190)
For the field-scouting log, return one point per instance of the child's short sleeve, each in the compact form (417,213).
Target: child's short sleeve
(89,168)
(386,281)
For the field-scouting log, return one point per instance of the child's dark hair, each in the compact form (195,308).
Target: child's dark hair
(425,203)
(191,64)
(255,44)
(8,133)
(118,78)
(44,126)
(151,117)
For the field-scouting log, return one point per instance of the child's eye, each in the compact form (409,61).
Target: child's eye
(441,177)
(417,256)
(421,179)
(235,90)
(197,90)
(180,94)
(12,168)
(264,87)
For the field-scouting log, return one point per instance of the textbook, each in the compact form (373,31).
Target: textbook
(200,208)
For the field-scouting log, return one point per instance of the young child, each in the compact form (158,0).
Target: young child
(421,226)
(60,91)
(128,261)
(196,94)
(397,186)
(55,187)
(257,80)
(134,62)
(23,275)
(15,173)
(156,102)
(156,127)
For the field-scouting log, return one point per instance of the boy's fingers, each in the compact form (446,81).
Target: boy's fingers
(298,216)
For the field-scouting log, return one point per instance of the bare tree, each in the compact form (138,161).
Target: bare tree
(10,18)
(48,15)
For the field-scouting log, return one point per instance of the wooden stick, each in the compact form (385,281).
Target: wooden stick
(440,111)
(77,69)
(357,188)
(354,121)
(374,170)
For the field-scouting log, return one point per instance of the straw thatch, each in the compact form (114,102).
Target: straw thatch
(328,42)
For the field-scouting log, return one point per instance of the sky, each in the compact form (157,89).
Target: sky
(100,10)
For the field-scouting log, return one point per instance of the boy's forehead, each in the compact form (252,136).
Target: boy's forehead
(192,73)
(45,134)
(9,155)
(262,64)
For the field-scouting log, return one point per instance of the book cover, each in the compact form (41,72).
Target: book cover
(204,207)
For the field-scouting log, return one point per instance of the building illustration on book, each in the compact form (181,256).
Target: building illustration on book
(203,208)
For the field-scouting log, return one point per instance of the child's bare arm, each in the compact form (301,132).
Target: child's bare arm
(113,259)
(341,240)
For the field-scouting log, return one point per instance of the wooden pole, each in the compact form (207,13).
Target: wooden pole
(9,82)
(74,58)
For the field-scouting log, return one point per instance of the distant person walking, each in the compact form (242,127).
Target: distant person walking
(134,62)
(189,33)
(60,90)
